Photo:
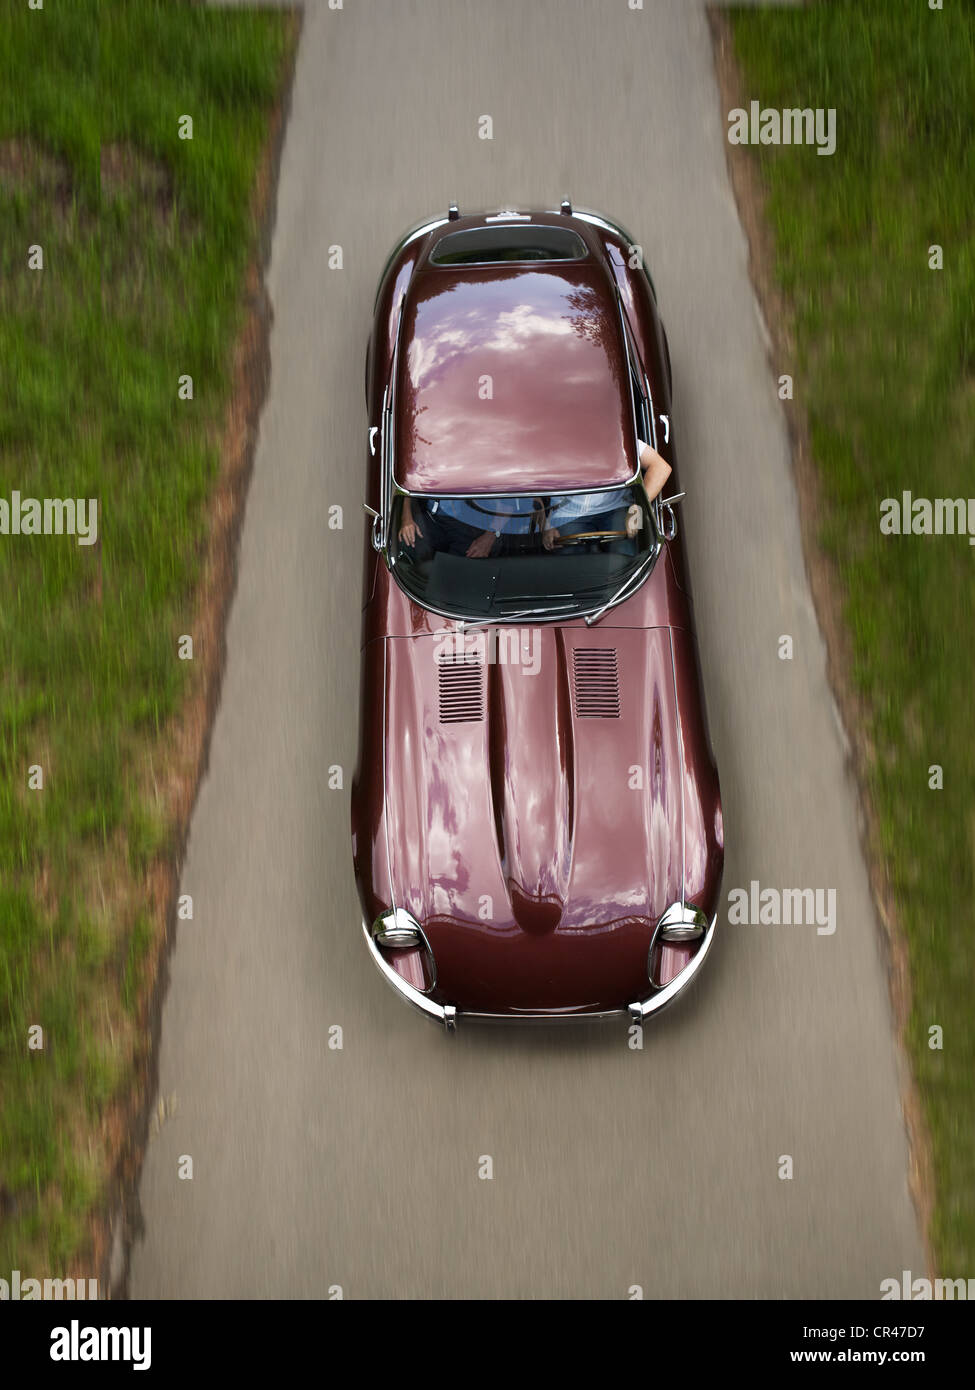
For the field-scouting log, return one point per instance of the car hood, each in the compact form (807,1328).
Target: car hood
(534,808)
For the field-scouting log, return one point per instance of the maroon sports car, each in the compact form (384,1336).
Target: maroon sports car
(536,819)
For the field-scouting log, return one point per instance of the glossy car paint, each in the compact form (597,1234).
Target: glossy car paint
(535,860)
(546,344)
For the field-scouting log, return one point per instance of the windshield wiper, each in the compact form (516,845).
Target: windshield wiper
(464,623)
(628,582)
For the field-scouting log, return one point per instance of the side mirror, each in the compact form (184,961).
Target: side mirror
(378,539)
(668,519)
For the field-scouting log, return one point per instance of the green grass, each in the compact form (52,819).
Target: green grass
(143,282)
(886,375)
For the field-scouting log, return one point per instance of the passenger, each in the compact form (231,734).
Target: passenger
(576,512)
(455,524)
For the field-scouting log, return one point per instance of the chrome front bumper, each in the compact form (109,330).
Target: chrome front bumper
(447,1014)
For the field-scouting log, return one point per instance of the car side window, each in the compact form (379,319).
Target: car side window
(641,406)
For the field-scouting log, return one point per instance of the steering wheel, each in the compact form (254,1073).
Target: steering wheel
(581,536)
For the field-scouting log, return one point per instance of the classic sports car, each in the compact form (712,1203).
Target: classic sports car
(536,820)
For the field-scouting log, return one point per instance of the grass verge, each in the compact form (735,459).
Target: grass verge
(149,254)
(883,348)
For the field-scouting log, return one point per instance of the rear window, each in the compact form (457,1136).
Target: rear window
(487,245)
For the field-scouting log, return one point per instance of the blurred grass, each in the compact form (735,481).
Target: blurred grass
(143,282)
(886,361)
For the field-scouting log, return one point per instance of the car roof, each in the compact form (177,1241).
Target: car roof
(513,379)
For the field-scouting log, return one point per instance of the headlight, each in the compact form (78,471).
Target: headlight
(397,929)
(681,923)
(403,945)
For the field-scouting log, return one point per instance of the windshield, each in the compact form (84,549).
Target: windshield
(496,557)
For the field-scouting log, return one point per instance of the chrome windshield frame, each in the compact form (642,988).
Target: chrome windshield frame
(642,571)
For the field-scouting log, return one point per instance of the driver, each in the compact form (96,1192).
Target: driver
(456,524)
(575,511)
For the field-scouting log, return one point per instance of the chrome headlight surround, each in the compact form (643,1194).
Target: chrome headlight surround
(681,924)
(397,929)
(444,1014)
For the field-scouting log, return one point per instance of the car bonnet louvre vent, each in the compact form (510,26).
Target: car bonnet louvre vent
(461,692)
(596,683)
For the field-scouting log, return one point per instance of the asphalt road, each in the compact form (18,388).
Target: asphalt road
(359,1167)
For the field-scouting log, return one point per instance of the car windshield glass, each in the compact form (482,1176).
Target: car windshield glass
(495,557)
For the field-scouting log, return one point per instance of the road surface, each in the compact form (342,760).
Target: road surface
(358,1168)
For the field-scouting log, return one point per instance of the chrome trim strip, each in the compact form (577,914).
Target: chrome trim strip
(653,413)
(378,518)
(537,1020)
(628,354)
(398,929)
(521,492)
(642,573)
(560,617)
(388,480)
(637,361)
(680,749)
(628,587)
(389,857)
(596,219)
(468,624)
(680,924)
(661,998)
(425,1006)
(417,230)
(448,1014)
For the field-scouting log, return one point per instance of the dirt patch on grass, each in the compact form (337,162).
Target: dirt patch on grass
(144,185)
(25,165)
(828,596)
(126,170)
